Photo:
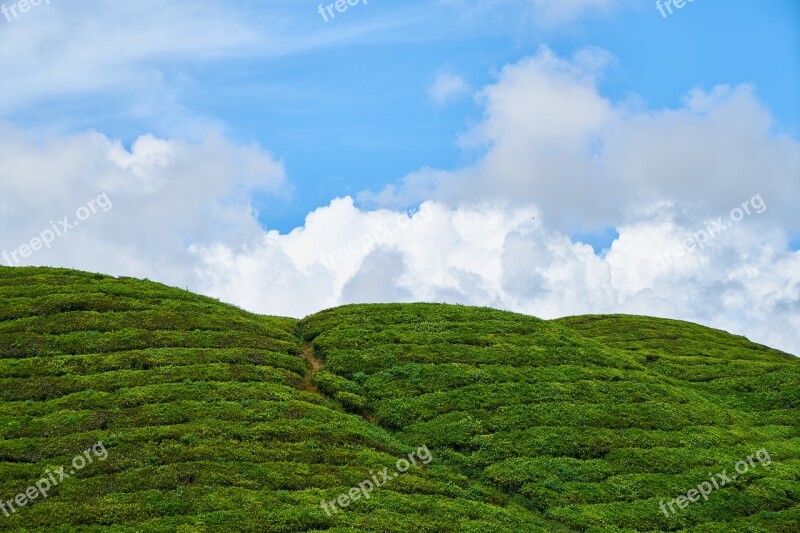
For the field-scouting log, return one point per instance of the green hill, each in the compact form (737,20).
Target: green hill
(214,419)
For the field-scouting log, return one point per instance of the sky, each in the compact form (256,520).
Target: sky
(549,157)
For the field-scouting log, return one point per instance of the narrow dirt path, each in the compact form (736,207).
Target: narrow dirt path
(313,366)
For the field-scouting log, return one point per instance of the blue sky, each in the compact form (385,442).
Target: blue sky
(550,157)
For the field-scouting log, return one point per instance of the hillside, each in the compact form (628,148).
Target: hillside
(215,419)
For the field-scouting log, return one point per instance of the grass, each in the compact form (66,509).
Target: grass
(217,419)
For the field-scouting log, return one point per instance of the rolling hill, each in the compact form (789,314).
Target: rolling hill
(215,419)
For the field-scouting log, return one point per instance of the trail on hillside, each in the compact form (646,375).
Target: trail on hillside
(313,366)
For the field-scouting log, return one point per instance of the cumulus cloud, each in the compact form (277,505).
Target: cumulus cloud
(166,194)
(491,255)
(550,138)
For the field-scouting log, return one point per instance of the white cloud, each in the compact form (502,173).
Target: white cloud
(551,139)
(491,255)
(447,88)
(166,195)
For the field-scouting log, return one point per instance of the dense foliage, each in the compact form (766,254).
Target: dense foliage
(216,419)
(591,421)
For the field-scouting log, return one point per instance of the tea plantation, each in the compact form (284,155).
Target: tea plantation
(220,420)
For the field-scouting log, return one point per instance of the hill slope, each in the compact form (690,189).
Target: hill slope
(217,419)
